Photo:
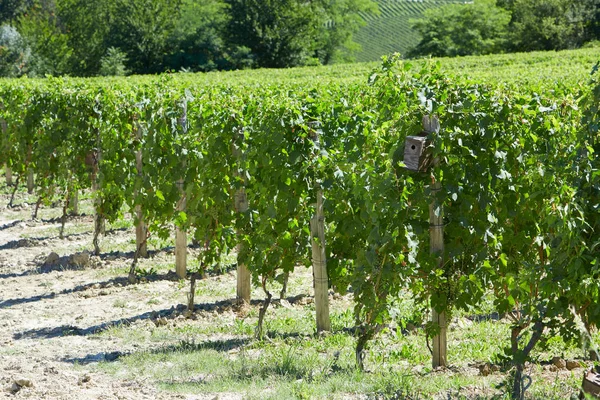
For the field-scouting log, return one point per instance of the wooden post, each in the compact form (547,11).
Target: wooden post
(241,206)
(181,238)
(319,262)
(7,170)
(97,201)
(141,229)
(99,221)
(9,176)
(75,203)
(180,234)
(431,125)
(30,181)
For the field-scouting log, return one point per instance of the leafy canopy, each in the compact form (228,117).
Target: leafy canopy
(458,30)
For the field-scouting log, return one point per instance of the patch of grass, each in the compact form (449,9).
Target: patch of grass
(120,303)
(278,369)
(112,271)
(158,243)
(128,334)
(555,386)
(341,320)
(116,245)
(297,321)
(478,341)
(121,223)
(216,355)
(211,289)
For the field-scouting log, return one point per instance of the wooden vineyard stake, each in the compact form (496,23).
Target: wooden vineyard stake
(181,237)
(431,125)
(418,158)
(319,262)
(93,159)
(181,234)
(7,170)
(75,203)
(141,229)
(30,181)
(241,206)
(99,223)
(9,176)
(97,201)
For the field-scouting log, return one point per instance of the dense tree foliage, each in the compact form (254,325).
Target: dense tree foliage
(49,45)
(10,9)
(197,38)
(458,30)
(279,32)
(487,26)
(282,33)
(548,24)
(82,38)
(143,29)
(88,27)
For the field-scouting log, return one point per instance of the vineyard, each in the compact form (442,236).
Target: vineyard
(391,31)
(264,234)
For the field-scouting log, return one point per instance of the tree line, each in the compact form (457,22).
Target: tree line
(118,37)
(490,26)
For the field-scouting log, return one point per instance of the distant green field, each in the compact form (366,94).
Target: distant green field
(390,31)
(536,69)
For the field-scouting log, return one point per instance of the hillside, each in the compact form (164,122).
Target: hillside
(390,31)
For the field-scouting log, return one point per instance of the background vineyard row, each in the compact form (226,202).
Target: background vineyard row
(391,31)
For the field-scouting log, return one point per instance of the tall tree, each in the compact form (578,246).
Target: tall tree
(593,26)
(280,33)
(548,24)
(285,33)
(197,40)
(88,24)
(462,29)
(141,28)
(50,50)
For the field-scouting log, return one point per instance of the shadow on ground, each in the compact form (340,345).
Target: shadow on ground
(70,330)
(222,345)
(65,263)
(170,313)
(119,281)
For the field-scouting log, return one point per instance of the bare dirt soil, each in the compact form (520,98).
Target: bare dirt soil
(51,309)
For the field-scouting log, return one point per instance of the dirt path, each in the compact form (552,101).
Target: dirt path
(50,311)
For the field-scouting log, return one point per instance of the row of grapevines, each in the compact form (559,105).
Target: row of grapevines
(518,174)
(511,175)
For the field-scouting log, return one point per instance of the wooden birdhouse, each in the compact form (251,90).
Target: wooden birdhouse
(417,156)
(417,150)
